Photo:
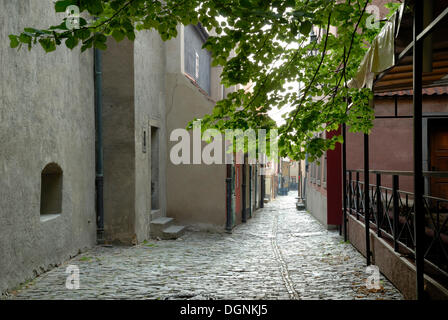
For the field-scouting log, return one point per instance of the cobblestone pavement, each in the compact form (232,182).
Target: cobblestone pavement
(280,253)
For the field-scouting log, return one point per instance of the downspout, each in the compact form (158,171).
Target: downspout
(244,213)
(99,165)
(344,181)
(256,187)
(263,186)
(229,199)
(250,190)
(299,181)
(304,179)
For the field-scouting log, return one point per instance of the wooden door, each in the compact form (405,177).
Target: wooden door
(439,157)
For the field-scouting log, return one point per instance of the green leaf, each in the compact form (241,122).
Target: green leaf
(99,41)
(32,30)
(71,42)
(14,42)
(82,33)
(61,26)
(87,45)
(305,27)
(25,38)
(100,45)
(118,35)
(298,13)
(61,5)
(95,7)
(47,44)
(131,36)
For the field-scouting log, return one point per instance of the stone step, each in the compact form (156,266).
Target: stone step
(173,232)
(162,220)
(158,225)
(156,214)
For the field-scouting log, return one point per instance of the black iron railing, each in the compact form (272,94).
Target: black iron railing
(392,215)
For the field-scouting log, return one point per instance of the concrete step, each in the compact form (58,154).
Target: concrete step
(158,225)
(173,232)
(156,214)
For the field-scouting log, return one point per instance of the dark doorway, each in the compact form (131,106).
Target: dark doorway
(155,169)
(234,182)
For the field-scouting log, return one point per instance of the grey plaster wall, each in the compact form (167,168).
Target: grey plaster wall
(119,140)
(195,193)
(316,204)
(46,115)
(134,101)
(149,58)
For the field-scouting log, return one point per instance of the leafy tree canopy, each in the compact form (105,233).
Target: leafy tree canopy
(265,43)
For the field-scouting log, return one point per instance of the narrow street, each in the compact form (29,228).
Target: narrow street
(280,253)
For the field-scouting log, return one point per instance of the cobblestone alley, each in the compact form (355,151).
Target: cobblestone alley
(281,253)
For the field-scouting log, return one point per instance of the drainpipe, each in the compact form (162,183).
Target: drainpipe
(250,191)
(244,214)
(304,179)
(299,181)
(263,186)
(229,199)
(256,186)
(99,180)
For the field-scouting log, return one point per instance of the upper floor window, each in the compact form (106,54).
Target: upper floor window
(197,60)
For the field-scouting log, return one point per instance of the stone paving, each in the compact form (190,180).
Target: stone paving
(280,253)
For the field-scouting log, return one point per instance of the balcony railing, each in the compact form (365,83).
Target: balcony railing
(392,215)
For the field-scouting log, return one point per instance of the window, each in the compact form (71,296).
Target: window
(197,60)
(313,172)
(319,173)
(51,191)
(196,71)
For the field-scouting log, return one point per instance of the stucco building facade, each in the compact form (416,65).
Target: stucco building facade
(134,131)
(47,142)
(53,137)
(323,178)
(196,192)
